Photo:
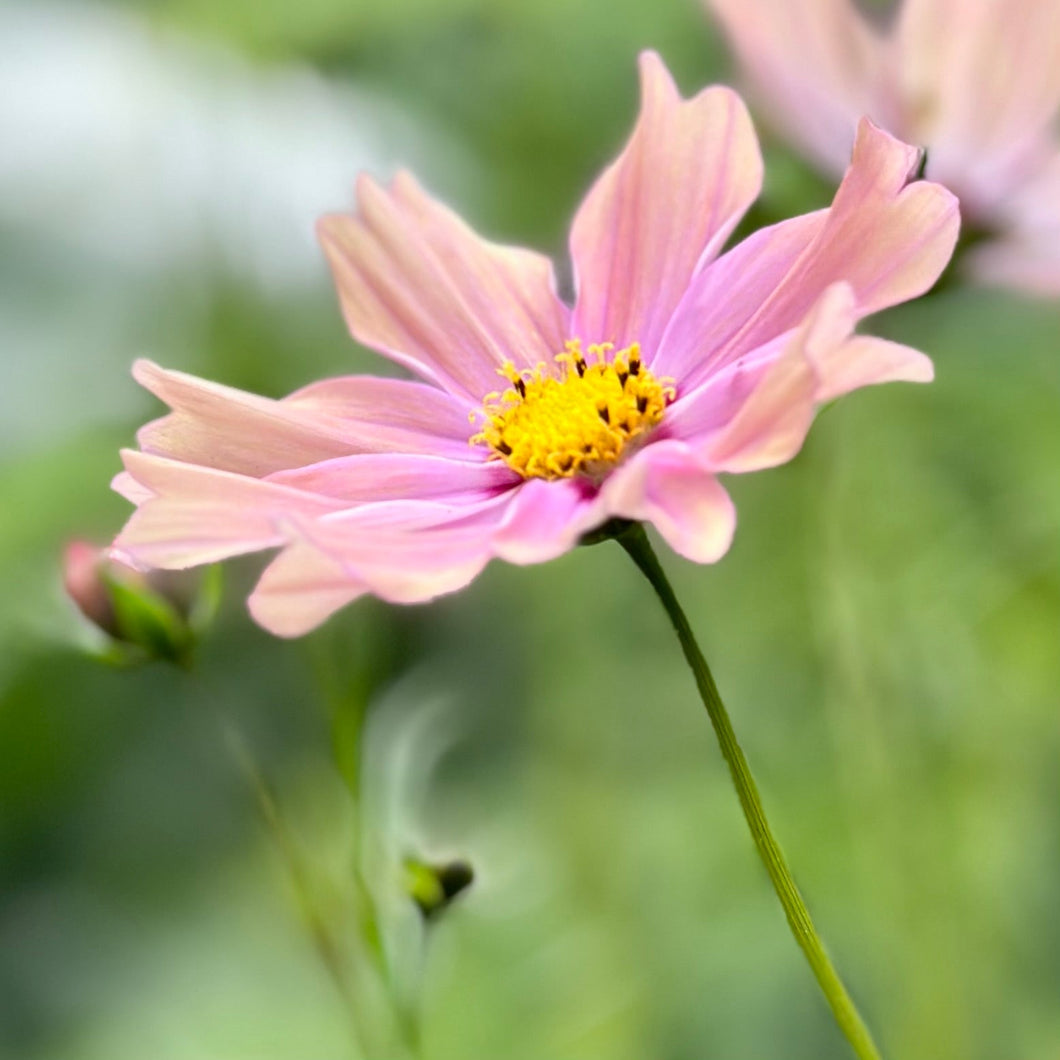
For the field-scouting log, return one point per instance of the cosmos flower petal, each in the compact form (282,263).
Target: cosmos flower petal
(390,415)
(369,477)
(980,83)
(706,332)
(771,425)
(402,551)
(864,360)
(667,485)
(811,65)
(1027,262)
(126,486)
(218,426)
(723,393)
(300,589)
(374,485)
(221,427)
(975,82)
(416,284)
(1027,256)
(887,238)
(196,514)
(990,73)
(664,208)
(545,519)
(840,365)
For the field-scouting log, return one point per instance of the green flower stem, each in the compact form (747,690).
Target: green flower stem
(635,541)
(326,944)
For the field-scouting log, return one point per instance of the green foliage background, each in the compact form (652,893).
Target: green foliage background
(886,631)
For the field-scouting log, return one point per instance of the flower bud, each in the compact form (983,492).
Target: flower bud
(83,581)
(154,614)
(434,887)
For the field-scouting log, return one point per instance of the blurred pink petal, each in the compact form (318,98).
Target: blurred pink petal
(532,432)
(418,285)
(1027,254)
(981,84)
(812,63)
(1027,263)
(975,82)
(663,209)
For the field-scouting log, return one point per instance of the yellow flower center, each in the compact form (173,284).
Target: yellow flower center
(577,421)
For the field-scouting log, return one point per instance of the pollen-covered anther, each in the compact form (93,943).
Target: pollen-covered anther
(577,417)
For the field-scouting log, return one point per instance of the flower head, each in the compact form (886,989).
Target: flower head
(531,423)
(976,82)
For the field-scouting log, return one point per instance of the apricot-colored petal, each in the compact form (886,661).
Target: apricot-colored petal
(392,415)
(545,519)
(864,360)
(886,238)
(669,486)
(370,477)
(402,551)
(300,589)
(126,486)
(198,515)
(231,430)
(771,425)
(703,408)
(839,367)
(416,284)
(663,209)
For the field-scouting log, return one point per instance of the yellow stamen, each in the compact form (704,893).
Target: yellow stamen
(578,421)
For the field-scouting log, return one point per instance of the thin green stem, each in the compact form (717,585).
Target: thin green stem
(405,1013)
(348,702)
(635,542)
(320,931)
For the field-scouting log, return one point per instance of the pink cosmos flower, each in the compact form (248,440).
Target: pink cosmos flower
(532,423)
(976,81)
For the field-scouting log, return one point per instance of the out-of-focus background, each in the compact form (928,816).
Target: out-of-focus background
(886,628)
